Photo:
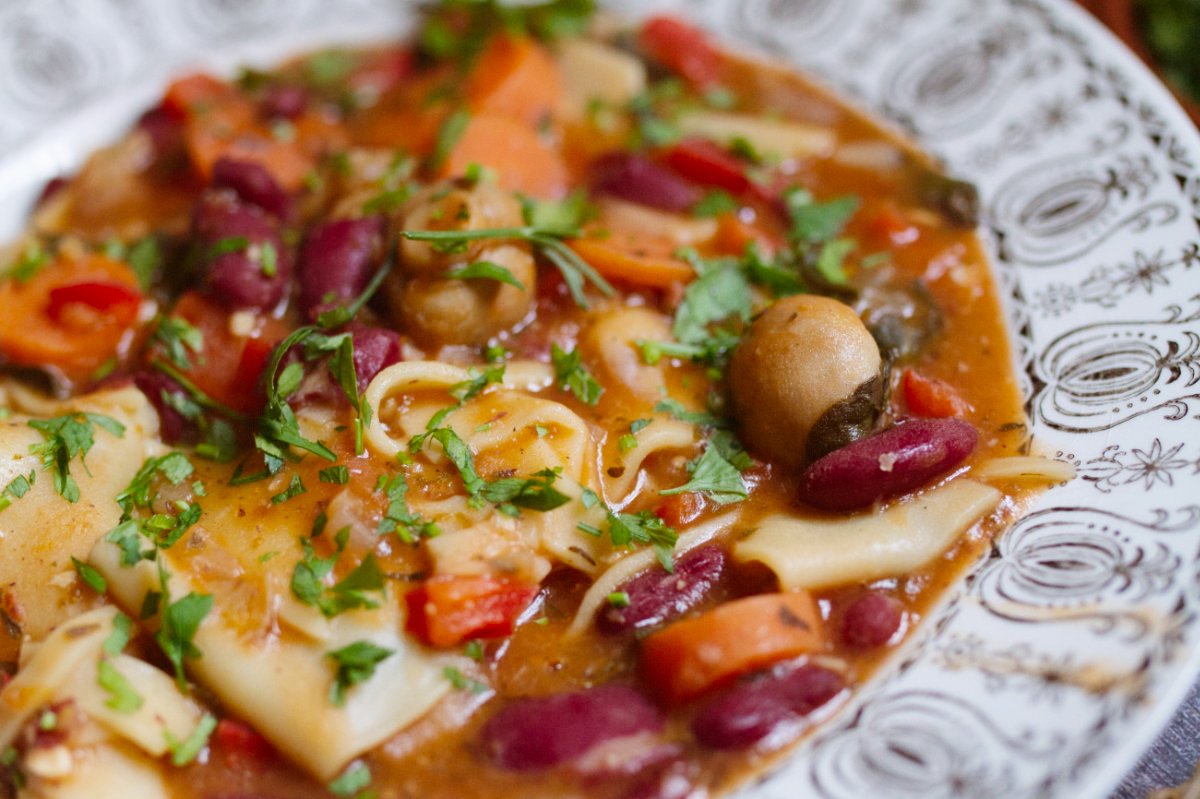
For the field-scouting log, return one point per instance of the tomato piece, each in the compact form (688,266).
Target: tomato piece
(229,365)
(117,300)
(698,654)
(448,609)
(681,48)
(238,741)
(932,398)
(680,510)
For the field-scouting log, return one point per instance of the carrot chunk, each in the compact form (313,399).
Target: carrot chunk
(696,655)
(926,396)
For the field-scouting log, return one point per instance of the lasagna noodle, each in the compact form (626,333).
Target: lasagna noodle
(104,749)
(510,433)
(822,553)
(41,532)
(280,682)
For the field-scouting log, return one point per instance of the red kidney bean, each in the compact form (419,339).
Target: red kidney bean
(625,757)
(53,186)
(896,461)
(656,597)
(871,620)
(253,184)
(172,426)
(165,132)
(336,262)
(235,278)
(375,349)
(539,733)
(283,102)
(640,180)
(750,711)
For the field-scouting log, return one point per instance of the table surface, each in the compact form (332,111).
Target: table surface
(1173,757)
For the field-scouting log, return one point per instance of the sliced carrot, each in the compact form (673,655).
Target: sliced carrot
(220,121)
(734,235)
(74,314)
(522,161)
(618,260)
(696,655)
(514,76)
(926,396)
(890,226)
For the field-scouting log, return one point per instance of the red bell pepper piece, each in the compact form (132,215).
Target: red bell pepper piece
(117,300)
(681,48)
(447,610)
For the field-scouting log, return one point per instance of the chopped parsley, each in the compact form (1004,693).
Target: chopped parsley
(452,129)
(533,493)
(17,487)
(66,437)
(714,477)
(88,574)
(294,489)
(121,694)
(458,29)
(352,592)
(32,259)
(352,780)
(618,599)
(122,631)
(570,374)
(715,203)
(485,270)
(178,338)
(180,622)
(185,751)
(462,682)
(677,410)
(354,664)
(335,475)
(398,518)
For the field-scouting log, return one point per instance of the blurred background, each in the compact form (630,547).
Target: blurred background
(1166,34)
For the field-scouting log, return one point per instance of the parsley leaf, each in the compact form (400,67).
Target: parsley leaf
(714,477)
(625,529)
(677,410)
(180,622)
(814,222)
(92,578)
(122,631)
(448,135)
(571,374)
(398,518)
(335,475)
(721,291)
(352,780)
(462,682)
(121,695)
(534,493)
(66,437)
(178,337)
(185,751)
(485,270)
(355,664)
(17,487)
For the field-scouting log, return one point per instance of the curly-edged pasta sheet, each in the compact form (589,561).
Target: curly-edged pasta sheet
(42,531)
(625,472)
(510,433)
(100,749)
(609,346)
(818,553)
(280,681)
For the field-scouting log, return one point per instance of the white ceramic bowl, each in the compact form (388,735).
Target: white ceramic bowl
(1053,665)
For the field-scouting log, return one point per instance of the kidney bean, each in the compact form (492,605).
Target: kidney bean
(375,349)
(640,180)
(165,132)
(750,711)
(539,733)
(172,426)
(51,189)
(656,597)
(253,184)
(871,620)
(236,278)
(896,461)
(283,102)
(336,261)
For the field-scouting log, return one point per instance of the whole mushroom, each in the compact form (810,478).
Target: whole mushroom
(805,380)
(435,308)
